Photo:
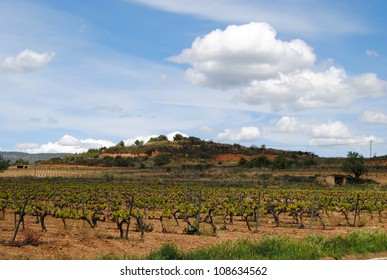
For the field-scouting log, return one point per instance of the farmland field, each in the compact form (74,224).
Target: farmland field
(88,213)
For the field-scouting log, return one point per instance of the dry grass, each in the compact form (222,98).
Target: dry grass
(29,237)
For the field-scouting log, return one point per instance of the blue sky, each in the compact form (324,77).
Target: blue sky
(304,75)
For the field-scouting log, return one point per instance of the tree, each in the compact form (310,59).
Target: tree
(354,163)
(4,164)
(121,143)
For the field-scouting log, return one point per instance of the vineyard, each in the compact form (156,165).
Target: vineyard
(125,211)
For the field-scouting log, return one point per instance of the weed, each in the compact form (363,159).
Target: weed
(144,227)
(282,248)
(166,252)
(29,238)
(192,230)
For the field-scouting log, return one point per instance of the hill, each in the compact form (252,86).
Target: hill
(181,151)
(193,149)
(31,158)
(189,151)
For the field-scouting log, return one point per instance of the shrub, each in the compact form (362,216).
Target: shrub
(161,159)
(166,252)
(144,227)
(192,230)
(4,164)
(261,161)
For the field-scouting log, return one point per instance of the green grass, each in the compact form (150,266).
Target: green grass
(355,243)
(273,248)
(283,248)
(312,247)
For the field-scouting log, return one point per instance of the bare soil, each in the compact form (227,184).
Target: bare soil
(80,241)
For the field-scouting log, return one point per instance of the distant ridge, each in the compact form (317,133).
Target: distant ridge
(13,156)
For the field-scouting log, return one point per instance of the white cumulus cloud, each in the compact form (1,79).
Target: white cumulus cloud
(352,142)
(287,124)
(374,117)
(270,71)
(242,53)
(145,139)
(331,130)
(26,61)
(67,144)
(337,133)
(299,90)
(249,133)
(332,133)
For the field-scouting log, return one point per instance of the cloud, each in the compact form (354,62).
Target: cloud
(352,142)
(240,54)
(163,78)
(26,61)
(49,120)
(333,133)
(286,15)
(244,134)
(205,129)
(336,134)
(331,130)
(266,70)
(307,89)
(373,117)
(371,53)
(71,144)
(288,124)
(145,139)
(35,120)
(67,144)
(336,129)
(113,108)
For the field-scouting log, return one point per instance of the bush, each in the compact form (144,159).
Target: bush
(281,163)
(244,162)
(161,159)
(159,138)
(4,164)
(261,161)
(144,227)
(192,230)
(166,252)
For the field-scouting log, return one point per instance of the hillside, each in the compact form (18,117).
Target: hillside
(181,151)
(196,149)
(185,151)
(31,158)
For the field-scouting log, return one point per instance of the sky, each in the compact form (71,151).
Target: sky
(307,75)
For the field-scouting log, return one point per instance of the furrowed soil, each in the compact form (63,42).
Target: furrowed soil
(80,241)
